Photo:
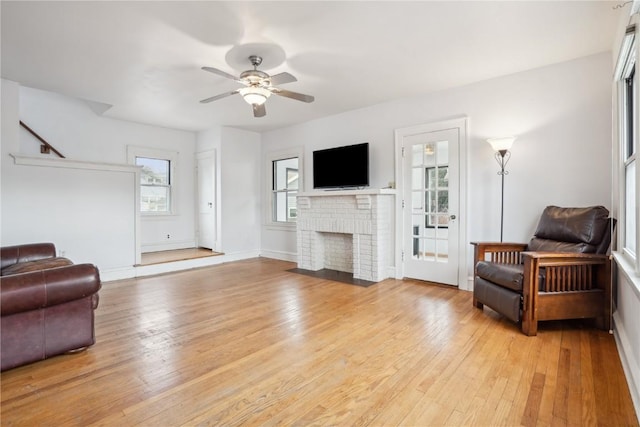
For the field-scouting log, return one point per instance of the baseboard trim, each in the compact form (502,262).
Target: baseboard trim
(109,275)
(391,272)
(468,284)
(628,362)
(280,255)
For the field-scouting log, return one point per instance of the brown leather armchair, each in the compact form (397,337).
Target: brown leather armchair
(46,304)
(562,273)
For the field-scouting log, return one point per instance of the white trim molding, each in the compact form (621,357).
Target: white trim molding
(52,162)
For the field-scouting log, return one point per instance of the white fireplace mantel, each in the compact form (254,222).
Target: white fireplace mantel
(333,193)
(362,217)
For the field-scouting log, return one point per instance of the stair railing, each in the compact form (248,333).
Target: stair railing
(45,147)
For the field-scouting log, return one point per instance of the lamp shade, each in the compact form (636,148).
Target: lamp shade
(255,95)
(499,144)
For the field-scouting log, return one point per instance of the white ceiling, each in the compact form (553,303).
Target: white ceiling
(143,58)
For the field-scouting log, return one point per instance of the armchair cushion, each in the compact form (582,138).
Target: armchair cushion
(545,245)
(500,299)
(40,264)
(46,288)
(573,225)
(506,275)
(10,255)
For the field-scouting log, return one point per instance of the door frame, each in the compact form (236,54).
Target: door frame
(461,123)
(216,195)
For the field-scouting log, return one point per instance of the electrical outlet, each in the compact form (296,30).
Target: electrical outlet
(168,236)
(61,253)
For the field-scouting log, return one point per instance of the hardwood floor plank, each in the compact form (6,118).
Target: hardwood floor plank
(532,409)
(248,343)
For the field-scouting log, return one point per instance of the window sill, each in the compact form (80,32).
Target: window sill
(285,226)
(627,268)
(145,216)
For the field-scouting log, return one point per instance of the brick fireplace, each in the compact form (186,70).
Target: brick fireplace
(349,231)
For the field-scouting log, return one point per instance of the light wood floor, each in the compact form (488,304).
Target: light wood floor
(248,343)
(160,257)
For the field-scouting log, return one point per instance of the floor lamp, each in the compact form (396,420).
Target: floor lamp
(502,154)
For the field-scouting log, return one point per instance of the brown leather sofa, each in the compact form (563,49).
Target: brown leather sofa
(46,304)
(562,273)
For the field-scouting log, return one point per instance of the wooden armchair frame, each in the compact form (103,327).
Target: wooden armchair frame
(576,285)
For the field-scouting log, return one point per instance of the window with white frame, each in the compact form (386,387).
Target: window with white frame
(627,131)
(157,179)
(285,180)
(155,184)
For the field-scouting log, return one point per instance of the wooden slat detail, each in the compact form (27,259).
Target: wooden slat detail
(568,278)
(505,257)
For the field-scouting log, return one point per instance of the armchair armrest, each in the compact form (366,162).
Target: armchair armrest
(570,287)
(554,258)
(39,289)
(569,271)
(505,253)
(30,252)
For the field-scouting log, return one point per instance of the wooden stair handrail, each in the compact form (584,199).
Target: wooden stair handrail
(45,147)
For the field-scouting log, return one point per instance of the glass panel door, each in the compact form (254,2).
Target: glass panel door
(430,195)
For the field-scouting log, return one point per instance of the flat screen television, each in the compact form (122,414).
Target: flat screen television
(341,167)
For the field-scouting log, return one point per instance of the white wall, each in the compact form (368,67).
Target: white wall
(238,189)
(88,213)
(240,192)
(561,115)
(70,125)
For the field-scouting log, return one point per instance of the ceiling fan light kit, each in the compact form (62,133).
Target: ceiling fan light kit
(255,95)
(259,86)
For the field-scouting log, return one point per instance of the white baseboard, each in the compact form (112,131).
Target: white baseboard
(391,272)
(109,275)
(468,284)
(281,255)
(629,363)
(237,256)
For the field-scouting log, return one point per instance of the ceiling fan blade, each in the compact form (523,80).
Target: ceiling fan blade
(222,95)
(293,95)
(259,110)
(221,73)
(282,78)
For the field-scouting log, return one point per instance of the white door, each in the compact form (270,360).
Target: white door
(206,200)
(430,191)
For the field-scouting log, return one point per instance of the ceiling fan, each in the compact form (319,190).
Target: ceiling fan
(258,86)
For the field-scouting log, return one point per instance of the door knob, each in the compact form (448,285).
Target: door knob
(452,217)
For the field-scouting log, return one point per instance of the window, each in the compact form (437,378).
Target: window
(627,108)
(157,179)
(628,137)
(155,184)
(284,177)
(285,189)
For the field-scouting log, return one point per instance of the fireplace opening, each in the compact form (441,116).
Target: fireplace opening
(338,251)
